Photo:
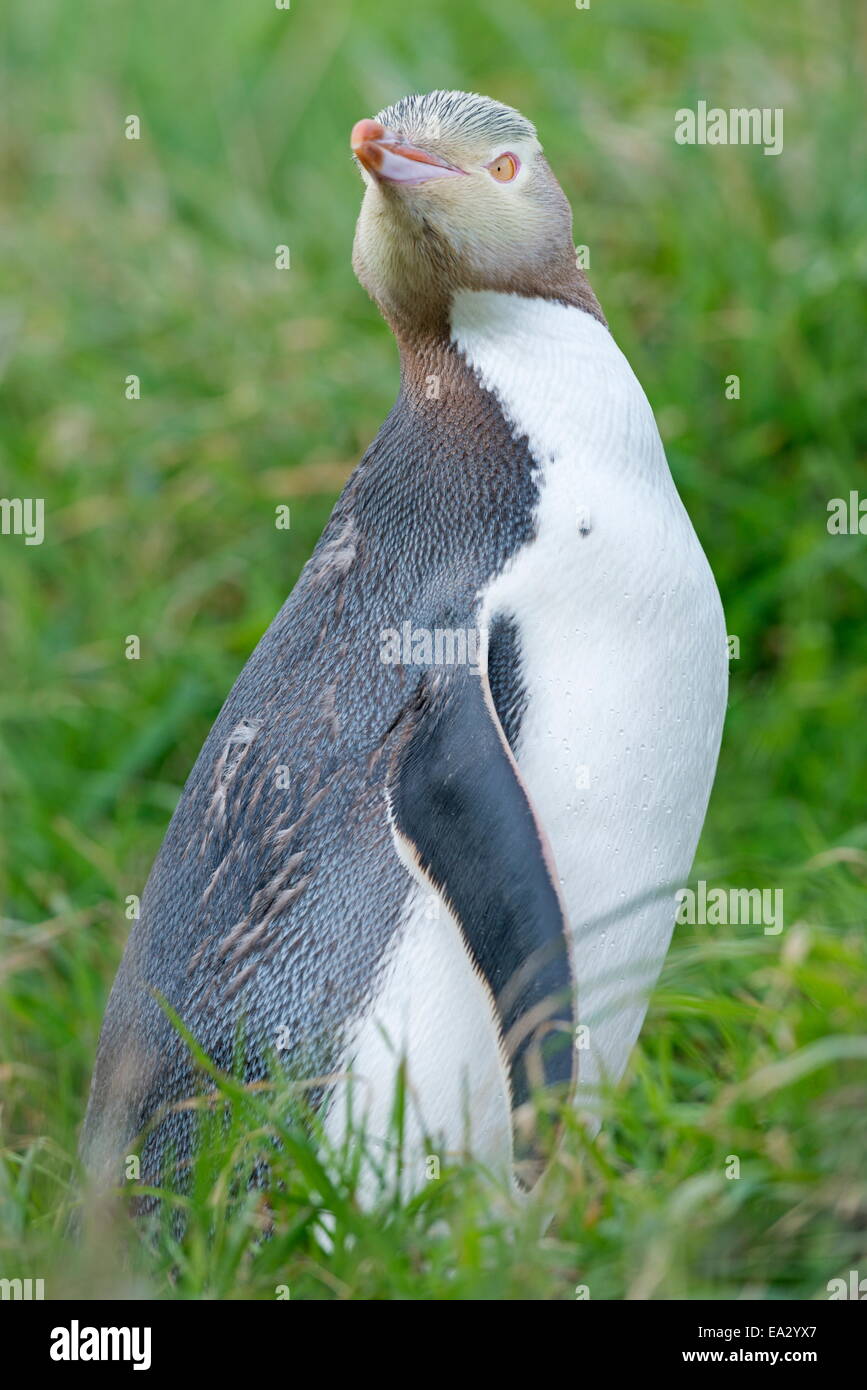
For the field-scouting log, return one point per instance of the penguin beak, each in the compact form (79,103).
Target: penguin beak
(391,159)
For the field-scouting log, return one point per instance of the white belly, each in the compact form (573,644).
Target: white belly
(435,1015)
(623,649)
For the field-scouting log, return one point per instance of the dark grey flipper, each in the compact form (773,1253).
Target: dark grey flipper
(458,800)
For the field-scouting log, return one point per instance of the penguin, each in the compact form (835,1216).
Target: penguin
(434,836)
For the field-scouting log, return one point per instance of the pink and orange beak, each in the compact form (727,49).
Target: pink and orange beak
(390,158)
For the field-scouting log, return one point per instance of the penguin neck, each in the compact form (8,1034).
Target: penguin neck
(433,368)
(432,371)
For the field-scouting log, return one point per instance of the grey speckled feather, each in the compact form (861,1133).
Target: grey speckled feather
(472,114)
(277,889)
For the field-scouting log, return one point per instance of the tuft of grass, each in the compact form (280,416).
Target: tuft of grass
(261,388)
(730,1165)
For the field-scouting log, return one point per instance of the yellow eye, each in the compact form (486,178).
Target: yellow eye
(504,167)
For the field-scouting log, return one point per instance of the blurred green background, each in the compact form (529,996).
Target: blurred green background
(259,387)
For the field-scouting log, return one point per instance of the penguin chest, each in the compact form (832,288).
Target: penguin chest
(621,643)
(623,667)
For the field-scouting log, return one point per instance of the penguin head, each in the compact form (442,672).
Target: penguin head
(458,196)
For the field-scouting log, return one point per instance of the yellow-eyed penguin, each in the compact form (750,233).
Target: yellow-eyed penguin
(444,810)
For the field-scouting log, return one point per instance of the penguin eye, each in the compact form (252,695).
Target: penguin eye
(504,167)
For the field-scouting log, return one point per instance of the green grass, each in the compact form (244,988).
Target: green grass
(261,387)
